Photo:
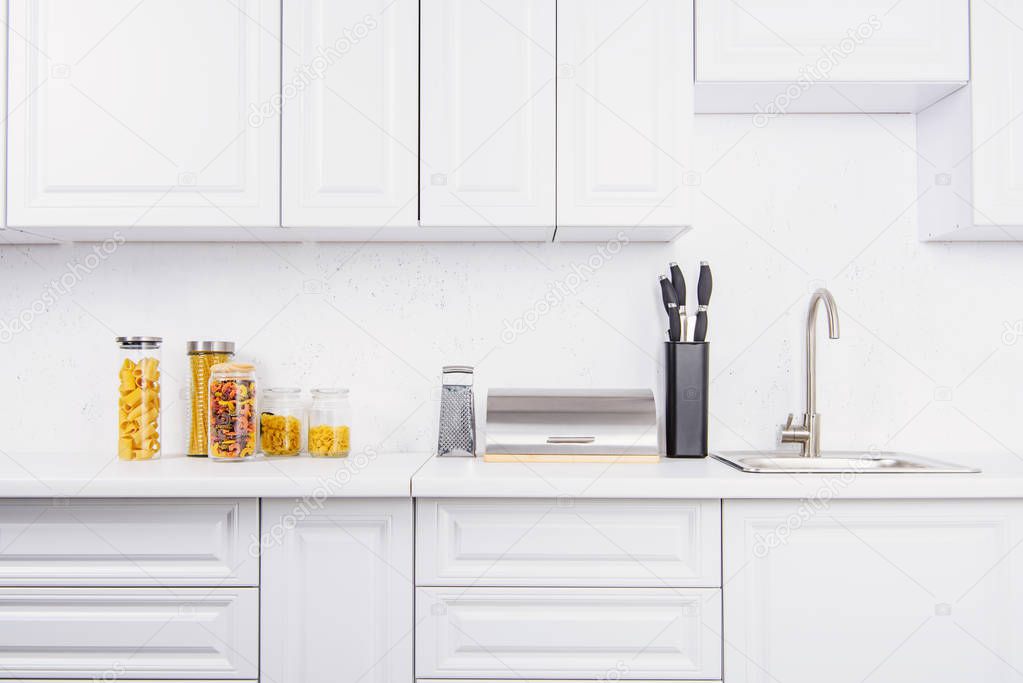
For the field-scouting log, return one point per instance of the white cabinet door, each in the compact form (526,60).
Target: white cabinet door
(337,591)
(128,542)
(115,633)
(852,591)
(143,114)
(488,114)
(778,56)
(350,97)
(997,103)
(970,145)
(568,633)
(624,109)
(514,542)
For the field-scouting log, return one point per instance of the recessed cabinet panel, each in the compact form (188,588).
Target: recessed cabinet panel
(624,113)
(488,114)
(117,542)
(588,543)
(143,114)
(337,591)
(788,56)
(564,633)
(877,590)
(351,100)
(101,633)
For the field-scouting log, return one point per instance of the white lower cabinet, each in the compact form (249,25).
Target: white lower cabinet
(115,633)
(596,543)
(128,542)
(566,633)
(337,591)
(853,591)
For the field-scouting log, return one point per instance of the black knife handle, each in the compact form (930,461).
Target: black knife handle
(705,285)
(700,334)
(678,281)
(674,324)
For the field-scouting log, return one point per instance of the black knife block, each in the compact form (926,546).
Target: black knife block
(686,408)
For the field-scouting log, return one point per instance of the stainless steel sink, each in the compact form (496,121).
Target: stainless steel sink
(838,462)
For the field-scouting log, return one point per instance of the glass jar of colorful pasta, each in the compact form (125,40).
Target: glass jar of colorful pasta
(203,355)
(280,421)
(329,423)
(138,401)
(232,411)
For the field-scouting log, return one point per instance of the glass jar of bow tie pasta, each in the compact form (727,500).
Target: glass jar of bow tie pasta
(138,403)
(232,411)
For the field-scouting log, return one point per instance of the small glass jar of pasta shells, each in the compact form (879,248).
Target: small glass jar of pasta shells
(281,421)
(138,404)
(232,406)
(329,423)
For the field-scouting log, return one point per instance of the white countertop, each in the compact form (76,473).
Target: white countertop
(102,475)
(388,475)
(1002,477)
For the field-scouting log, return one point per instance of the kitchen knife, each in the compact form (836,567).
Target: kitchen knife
(678,282)
(671,308)
(704,286)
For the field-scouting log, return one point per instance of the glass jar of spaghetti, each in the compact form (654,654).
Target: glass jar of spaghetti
(329,423)
(138,400)
(233,422)
(203,355)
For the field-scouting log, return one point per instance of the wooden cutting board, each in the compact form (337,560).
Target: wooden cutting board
(556,457)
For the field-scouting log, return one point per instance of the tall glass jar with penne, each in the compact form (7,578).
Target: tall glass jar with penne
(139,428)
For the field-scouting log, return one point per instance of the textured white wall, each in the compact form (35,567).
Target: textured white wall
(924,364)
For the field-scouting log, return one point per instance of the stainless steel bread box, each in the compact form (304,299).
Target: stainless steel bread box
(565,425)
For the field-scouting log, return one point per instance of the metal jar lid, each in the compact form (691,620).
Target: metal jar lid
(210,347)
(140,342)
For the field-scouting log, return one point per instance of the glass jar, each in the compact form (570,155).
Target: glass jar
(329,420)
(138,401)
(203,355)
(232,411)
(281,421)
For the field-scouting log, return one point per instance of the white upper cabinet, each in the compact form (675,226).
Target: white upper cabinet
(350,97)
(127,114)
(488,116)
(624,113)
(970,145)
(789,56)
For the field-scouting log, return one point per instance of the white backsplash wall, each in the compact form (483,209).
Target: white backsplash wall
(928,359)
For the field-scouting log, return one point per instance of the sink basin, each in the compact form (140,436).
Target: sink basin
(838,462)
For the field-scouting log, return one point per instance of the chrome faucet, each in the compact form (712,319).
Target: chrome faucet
(808,434)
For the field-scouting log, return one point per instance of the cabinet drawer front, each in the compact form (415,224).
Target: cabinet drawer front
(579,543)
(159,542)
(129,632)
(631,633)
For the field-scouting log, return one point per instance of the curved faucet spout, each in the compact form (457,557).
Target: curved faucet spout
(808,435)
